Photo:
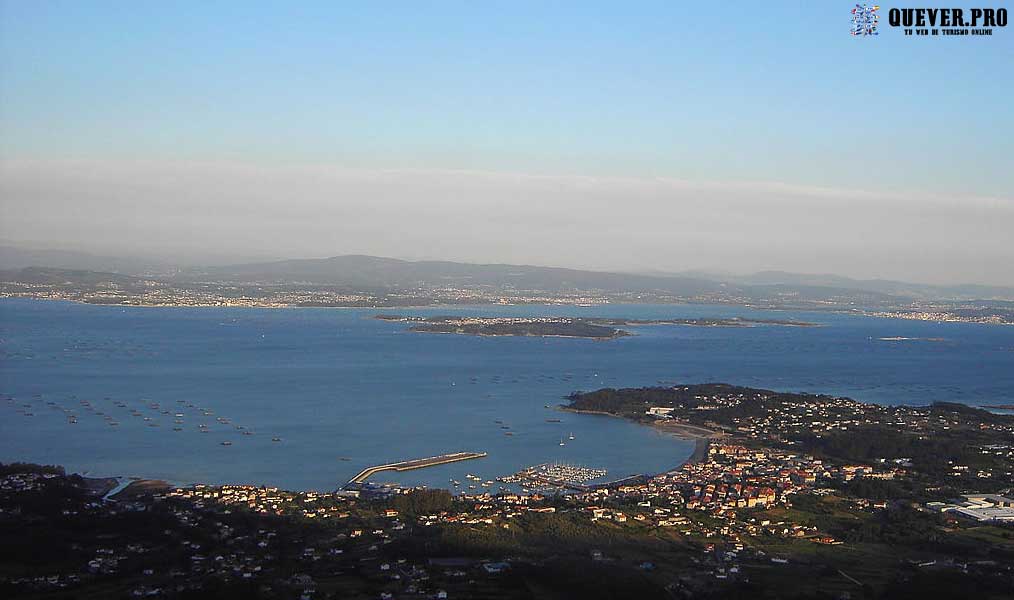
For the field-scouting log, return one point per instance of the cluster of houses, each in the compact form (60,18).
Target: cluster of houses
(25,482)
(157,293)
(733,476)
(269,500)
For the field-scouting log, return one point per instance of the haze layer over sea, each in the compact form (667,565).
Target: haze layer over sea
(342,390)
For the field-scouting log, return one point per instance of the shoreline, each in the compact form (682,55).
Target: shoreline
(701,436)
(141,487)
(684,431)
(687,431)
(845,311)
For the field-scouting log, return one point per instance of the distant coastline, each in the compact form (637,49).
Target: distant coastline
(943,315)
(358,281)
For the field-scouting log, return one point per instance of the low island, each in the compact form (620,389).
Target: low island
(510,326)
(573,327)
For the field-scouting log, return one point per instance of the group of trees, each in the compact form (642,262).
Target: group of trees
(931,454)
(632,401)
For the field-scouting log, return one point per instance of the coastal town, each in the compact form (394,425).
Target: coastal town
(163,290)
(764,504)
(157,293)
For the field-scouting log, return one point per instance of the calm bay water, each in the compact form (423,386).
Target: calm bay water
(344,391)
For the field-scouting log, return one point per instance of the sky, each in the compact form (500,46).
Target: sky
(644,136)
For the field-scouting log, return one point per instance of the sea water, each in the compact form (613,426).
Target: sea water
(342,390)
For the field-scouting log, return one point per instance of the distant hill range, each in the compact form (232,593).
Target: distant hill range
(360,272)
(369,272)
(882,286)
(76,279)
(14,258)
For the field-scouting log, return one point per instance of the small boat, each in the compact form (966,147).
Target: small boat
(508,433)
(561,443)
(571,436)
(226,443)
(177,429)
(276,439)
(553,421)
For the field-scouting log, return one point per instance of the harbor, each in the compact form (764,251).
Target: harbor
(418,463)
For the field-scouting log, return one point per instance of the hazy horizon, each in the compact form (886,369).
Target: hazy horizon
(596,223)
(601,138)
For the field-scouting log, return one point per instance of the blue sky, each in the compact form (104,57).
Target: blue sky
(710,93)
(716,91)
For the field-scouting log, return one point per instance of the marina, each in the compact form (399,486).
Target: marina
(554,475)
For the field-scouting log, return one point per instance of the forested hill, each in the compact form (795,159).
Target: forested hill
(634,402)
